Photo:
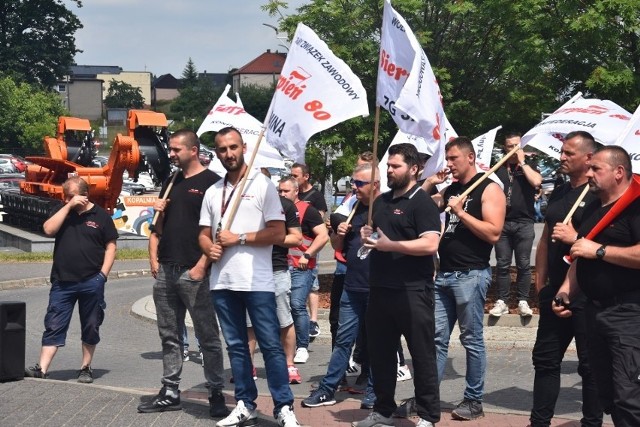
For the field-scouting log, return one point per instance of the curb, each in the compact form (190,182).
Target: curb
(44,281)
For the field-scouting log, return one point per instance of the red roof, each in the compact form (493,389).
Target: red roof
(266,63)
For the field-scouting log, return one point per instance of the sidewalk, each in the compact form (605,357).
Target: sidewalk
(64,402)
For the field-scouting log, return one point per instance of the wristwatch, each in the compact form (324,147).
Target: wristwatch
(601,252)
(306,255)
(243,239)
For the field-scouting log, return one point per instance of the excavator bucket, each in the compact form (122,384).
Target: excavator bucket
(149,129)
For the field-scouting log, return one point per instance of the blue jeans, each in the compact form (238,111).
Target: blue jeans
(516,239)
(62,299)
(301,282)
(353,306)
(232,307)
(460,296)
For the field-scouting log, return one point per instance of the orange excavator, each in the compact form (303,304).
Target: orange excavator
(143,149)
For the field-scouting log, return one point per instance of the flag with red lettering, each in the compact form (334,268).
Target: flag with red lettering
(315,91)
(226,113)
(629,139)
(603,119)
(407,87)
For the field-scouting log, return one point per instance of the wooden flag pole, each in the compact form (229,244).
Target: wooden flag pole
(156,214)
(486,174)
(353,212)
(585,190)
(375,163)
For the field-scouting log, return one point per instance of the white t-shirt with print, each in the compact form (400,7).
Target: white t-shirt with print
(243,267)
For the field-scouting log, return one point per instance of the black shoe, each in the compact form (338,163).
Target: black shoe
(217,406)
(314,329)
(35,372)
(163,401)
(406,409)
(468,410)
(85,375)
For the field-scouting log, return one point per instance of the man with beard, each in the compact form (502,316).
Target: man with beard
(401,298)
(555,333)
(242,280)
(606,269)
(180,270)
(472,227)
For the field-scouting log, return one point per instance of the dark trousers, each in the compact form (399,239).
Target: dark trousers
(516,239)
(614,353)
(390,314)
(554,336)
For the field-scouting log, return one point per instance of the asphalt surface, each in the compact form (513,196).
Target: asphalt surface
(127,368)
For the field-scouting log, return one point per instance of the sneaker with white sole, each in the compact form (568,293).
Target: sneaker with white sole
(354,369)
(424,423)
(302,355)
(318,398)
(524,310)
(185,356)
(404,373)
(168,399)
(374,419)
(499,308)
(286,418)
(241,416)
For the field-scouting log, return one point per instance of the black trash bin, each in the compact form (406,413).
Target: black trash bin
(13,316)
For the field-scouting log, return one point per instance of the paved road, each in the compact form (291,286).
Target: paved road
(129,359)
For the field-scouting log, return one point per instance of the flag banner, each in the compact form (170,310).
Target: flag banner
(484,147)
(315,91)
(226,113)
(629,139)
(407,86)
(603,119)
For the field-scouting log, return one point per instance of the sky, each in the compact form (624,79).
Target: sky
(160,35)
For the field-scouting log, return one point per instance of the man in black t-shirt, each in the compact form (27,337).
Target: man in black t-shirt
(606,269)
(401,298)
(302,261)
(306,193)
(554,333)
(520,181)
(182,285)
(355,295)
(84,251)
(472,227)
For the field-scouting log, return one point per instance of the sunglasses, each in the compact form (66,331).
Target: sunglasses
(359,184)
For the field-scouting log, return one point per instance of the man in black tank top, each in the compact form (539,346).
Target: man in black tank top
(472,227)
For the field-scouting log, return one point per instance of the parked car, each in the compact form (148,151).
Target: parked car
(7,166)
(205,155)
(134,188)
(18,162)
(10,180)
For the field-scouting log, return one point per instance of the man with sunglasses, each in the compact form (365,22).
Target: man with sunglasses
(355,295)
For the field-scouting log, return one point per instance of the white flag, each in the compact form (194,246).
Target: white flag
(603,119)
(228,113)
(484,147)
(629,139)
(316,90)
(406,86)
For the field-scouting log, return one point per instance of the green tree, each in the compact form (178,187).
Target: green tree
(27,115)
(497,61)
(37,42)
(123,95)
(189,74)
(256,100)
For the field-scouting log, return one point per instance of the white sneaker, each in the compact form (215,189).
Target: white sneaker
(424,423)
(354,369)
(404,373)
(240,416)
(286,418)
(499,309)
(524,310)
(302,355)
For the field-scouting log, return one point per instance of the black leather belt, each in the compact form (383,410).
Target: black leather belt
(631,297)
